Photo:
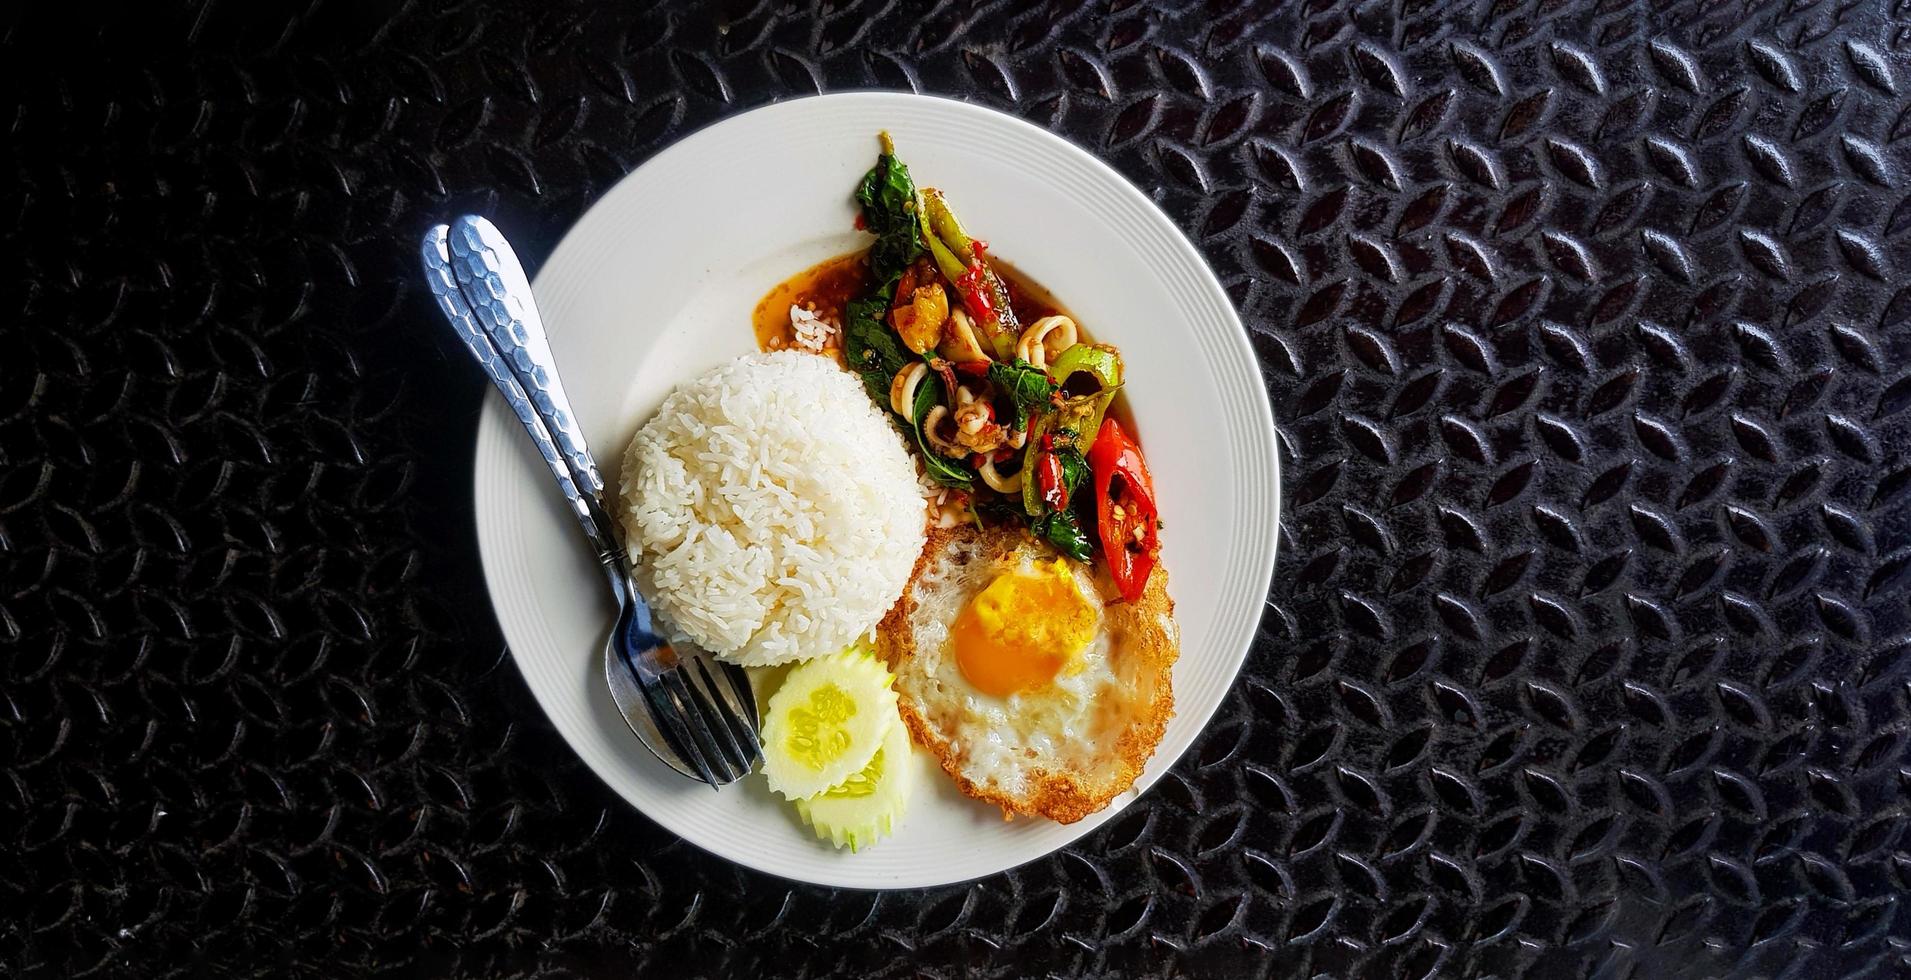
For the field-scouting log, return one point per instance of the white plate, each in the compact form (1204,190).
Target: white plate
(657,283)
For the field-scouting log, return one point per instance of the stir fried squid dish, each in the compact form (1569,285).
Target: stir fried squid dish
(1031,649)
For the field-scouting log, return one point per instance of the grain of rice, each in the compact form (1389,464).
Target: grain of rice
(811,332)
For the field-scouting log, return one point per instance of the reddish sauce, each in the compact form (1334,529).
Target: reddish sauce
(824,288)
(1031,302)
(828,286)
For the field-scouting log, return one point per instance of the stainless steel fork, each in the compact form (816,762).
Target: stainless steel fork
(696,714)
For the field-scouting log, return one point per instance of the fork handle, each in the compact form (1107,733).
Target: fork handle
(573,477)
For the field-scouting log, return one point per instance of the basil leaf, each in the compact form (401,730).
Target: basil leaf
(869,346)
(888,199)
(940,468)
(1029,389)
(1064,530)
(1074,469)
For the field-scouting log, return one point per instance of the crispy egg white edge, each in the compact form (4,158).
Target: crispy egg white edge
(998,742)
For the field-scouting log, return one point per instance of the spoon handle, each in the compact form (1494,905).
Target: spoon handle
(456,271)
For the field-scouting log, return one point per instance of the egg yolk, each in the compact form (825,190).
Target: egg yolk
(1023,629)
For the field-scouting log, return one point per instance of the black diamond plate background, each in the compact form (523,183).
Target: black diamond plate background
(1586,325)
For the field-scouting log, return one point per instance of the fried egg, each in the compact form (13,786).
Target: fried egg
(1012,668)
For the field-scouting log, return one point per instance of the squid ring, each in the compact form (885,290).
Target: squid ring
(959,341)
(902,388)
(1034,344)
(930,423)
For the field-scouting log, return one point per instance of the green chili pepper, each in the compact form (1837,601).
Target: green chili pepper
(1084,402)
(947,263)
(959,257)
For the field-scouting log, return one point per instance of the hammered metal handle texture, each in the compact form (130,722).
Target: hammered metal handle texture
(458,313)
(498,294)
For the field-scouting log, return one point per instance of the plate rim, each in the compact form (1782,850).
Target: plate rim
(1205,280)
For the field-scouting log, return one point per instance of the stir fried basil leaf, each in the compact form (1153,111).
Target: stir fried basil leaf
(888,199)
(870,346)
(1074,469)
(942,469)
(1063,529)
(1027,387)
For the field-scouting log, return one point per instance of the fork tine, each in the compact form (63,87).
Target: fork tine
(736,718)
(695,712)
(738,692)
(717,713)
(673,712)
(669,713)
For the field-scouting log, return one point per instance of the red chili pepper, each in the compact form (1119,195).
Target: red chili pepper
(974,369)
(1048,475)
(973,285)
(861,225)
(1122,481)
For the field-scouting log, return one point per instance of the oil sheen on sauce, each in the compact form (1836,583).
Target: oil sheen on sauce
(827,287)
(824,288)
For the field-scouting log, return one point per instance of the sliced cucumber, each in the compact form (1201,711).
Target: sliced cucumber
(865,807)
(826,722)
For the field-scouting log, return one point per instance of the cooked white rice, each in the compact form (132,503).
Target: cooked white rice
(771,509)
(811,332)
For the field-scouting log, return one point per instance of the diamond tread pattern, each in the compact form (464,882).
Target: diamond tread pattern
(1584,323)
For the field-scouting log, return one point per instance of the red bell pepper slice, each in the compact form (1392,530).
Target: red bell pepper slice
(1125,512)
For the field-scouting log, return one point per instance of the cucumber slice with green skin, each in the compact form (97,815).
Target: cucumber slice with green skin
(826,722)
(865,807)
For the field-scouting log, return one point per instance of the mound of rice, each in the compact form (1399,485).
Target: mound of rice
(771,509)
